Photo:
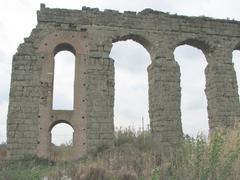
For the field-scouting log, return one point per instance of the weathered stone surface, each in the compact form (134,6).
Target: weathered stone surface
(89,34)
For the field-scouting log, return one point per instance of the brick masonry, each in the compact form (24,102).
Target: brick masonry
(89,34)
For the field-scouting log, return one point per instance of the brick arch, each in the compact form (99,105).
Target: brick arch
(58,49)
(75,42)
(50,45)
(54,154)
(64,47)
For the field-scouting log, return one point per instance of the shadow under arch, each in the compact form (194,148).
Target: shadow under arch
(59,122)
(236,46)
(64,47)
(202,45)
(137,38)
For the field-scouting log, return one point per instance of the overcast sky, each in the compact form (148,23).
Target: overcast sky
(18,18)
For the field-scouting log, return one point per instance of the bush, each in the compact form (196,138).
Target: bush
(28,168)
(135,152)
(124,136)
(3,145)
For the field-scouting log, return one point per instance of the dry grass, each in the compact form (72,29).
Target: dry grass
(134,157)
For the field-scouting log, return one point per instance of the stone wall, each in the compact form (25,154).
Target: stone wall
(89,34)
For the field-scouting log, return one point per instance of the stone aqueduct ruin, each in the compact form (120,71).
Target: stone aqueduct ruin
(89,34)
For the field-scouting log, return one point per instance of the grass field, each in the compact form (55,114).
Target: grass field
(134,157)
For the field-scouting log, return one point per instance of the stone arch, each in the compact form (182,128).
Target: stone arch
(236,46)
(236,76)
(56,122)
(200,44)
(236,61)
(145,42)
(145,45)
(187,85)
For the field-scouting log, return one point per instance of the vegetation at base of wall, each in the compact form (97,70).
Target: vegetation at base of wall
(135,156)
(31,168)
(3,145)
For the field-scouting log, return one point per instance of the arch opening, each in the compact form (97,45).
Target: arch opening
(236,64)
(61,141)
(131,85)
(140,40)
(193,98)
(61,133)
(63,83)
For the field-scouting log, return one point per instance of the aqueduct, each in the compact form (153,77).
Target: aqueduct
(89,34)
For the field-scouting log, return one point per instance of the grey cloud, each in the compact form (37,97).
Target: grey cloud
(197,104)
(130,56)
(189,54)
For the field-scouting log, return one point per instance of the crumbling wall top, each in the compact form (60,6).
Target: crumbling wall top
(146,12)
(147,19)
